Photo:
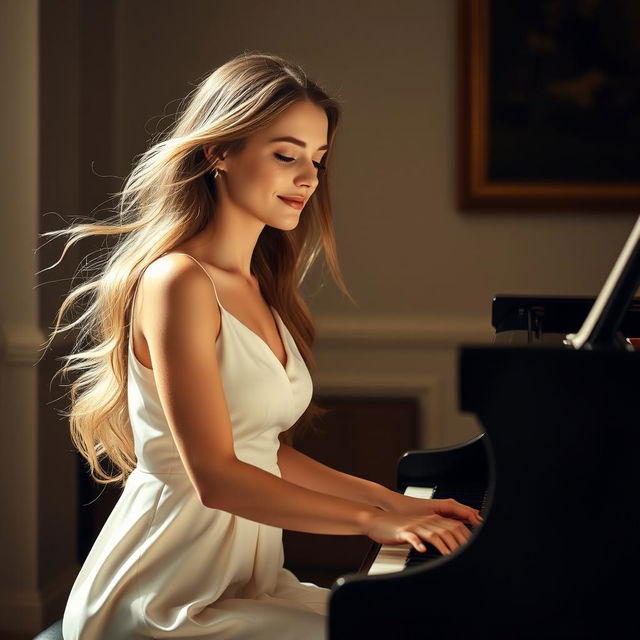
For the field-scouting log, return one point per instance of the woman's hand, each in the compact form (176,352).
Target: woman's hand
(445,534)
(448,508)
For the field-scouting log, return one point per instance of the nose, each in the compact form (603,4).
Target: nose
(308,176)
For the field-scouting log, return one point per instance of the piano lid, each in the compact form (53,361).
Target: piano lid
(601,327)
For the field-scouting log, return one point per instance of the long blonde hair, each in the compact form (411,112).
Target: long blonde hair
(167,198)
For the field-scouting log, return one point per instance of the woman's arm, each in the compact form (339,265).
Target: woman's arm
(181,324)
(306,472)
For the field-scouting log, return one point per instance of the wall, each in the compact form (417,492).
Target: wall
(19,155)
(423,273)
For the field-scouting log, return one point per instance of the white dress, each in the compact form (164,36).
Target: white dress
(164,565)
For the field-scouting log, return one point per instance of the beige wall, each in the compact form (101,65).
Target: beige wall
(404,246)
(422,271)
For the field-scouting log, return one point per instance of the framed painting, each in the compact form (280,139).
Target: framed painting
(549,105)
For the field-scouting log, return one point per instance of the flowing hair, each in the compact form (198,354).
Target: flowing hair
(167,198)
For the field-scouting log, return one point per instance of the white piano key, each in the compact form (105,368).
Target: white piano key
(390,559)
(419,492)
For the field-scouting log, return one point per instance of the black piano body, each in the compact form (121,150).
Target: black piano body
(558,554)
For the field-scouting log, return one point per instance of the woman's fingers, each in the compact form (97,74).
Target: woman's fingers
(449,540)
(462,511)
(444,534)
(414,540)
(436,540)
(454,509)
(460,531)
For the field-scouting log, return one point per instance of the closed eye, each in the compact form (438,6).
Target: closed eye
(287,160)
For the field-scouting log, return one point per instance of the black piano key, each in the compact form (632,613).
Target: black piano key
(416,558)
(471,496)
(483,505)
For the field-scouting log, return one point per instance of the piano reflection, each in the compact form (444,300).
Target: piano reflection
(555,474)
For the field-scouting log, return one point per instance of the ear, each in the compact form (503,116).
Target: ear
(210,154)
(209,150)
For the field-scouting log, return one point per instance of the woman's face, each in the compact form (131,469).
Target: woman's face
(254,181)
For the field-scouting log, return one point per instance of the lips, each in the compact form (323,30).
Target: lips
(295,203)
(298,199)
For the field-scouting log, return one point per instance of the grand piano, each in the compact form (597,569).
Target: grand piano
(556,474)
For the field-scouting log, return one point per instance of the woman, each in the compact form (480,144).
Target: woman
(200,367)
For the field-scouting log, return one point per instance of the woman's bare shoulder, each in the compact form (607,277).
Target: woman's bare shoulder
(171,265)
(177,291)
(172,272)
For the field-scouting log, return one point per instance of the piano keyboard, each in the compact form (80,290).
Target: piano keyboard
(394,558)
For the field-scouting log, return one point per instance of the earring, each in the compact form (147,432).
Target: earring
(215,173)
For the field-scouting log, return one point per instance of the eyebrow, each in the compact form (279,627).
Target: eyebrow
(300,143)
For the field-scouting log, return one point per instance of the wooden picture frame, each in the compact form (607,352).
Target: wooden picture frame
(541,127)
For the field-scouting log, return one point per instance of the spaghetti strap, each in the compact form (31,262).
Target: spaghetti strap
(137,286)
(210,278)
